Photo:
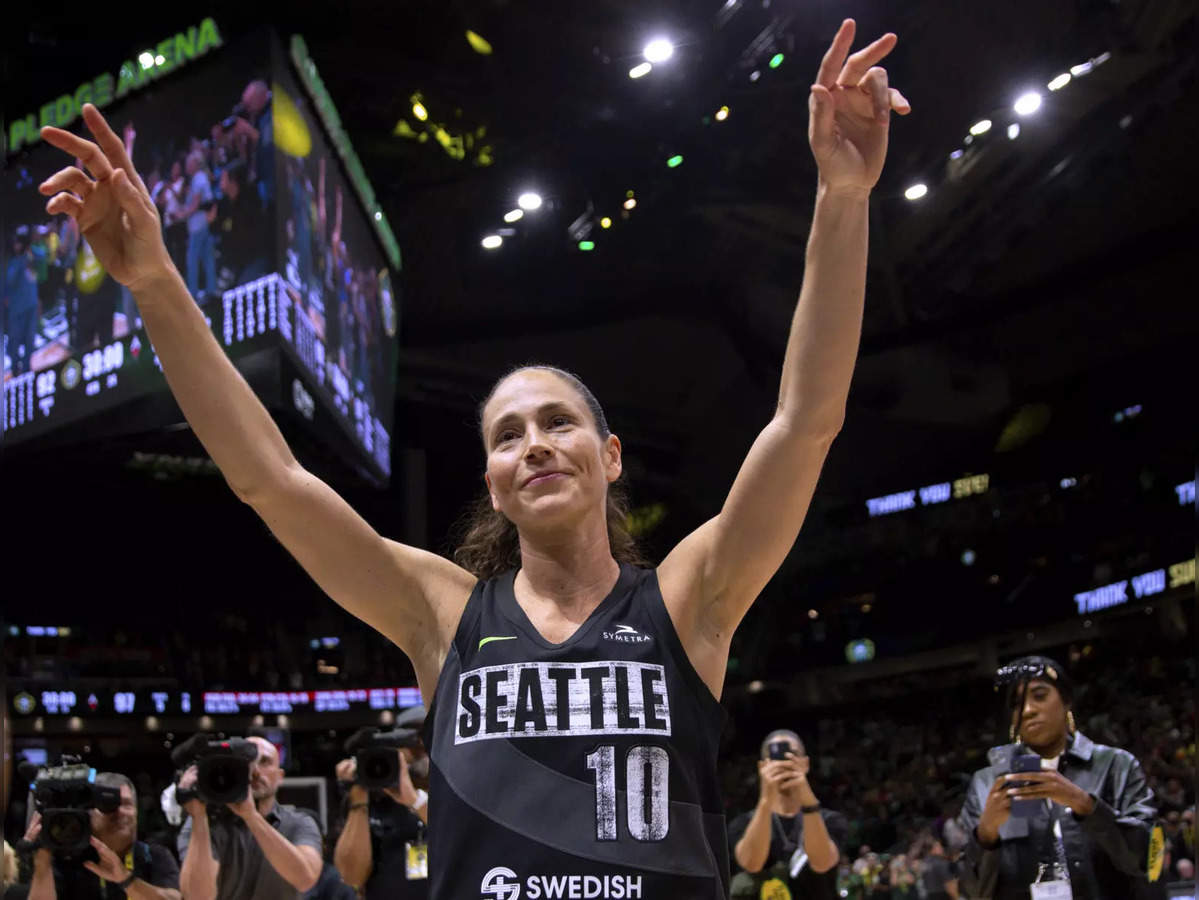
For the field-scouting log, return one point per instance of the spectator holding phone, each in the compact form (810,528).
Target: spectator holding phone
(788,837)
(1055,814)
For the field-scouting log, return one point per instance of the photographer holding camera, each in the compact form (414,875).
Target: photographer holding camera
(382,850)
(789,837)
(248,849)
(112,864)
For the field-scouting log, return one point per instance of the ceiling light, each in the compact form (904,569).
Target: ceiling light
(529,201)
(478,43)
(640,69)
(776,60)
(513,215)
(755,75)
(605,222)
(492,241)
(812,614)
(957,154)
(980,127)
(1027,104)
(722,114)
(586,246)
(658,50)
(1082,69)
(630,203)
(916,191)
(1060,82)
(1013,131)
(675,161)
(418,110)
(146,59)
(159,60)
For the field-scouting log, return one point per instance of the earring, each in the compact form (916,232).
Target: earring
(1070,721)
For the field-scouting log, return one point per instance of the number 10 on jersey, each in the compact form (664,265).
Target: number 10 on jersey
(647,792)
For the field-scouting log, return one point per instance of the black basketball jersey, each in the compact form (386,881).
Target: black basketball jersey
(582,769)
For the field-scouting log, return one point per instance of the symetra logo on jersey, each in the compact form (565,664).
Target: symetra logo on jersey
(541,699)
(626,634)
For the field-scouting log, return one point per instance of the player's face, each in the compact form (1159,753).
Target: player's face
(546,462)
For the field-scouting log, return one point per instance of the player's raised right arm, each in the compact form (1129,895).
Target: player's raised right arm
(412,597)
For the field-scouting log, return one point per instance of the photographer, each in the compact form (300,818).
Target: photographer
(1053,806)
(263,851)
(788,836)
(118,865)
(382,850)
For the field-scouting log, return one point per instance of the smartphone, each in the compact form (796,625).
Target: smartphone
(780,749)
(1025,808)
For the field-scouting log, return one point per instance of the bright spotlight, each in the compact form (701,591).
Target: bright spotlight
(1082,69)
(159,60)
(605,222)
(513,215)
(586,246)
(722,114)
(492,241)
(812,614)
(418,110)
(1013,131)
(1027,104)
(640,69)
(658,50)
(529,201)
(675,161)
(980,127)
(1060,82)
(630,203)
(968,557)
(916,191)
(755,75)
(146,59)
(776,60)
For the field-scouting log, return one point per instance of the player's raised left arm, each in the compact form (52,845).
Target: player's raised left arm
(736,553)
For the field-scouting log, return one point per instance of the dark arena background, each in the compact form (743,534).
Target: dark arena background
(1016,473)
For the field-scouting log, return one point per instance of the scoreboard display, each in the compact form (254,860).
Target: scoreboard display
(63,701)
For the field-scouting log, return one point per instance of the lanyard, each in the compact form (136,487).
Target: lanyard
(1058,869)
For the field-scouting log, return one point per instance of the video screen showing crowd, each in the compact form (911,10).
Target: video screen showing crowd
(207,154)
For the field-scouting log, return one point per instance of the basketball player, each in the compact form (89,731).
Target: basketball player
(574,696)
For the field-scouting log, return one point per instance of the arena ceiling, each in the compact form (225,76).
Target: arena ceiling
(1055,267)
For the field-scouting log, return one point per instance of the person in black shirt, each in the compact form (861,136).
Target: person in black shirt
(382,849)
(118,865)
(240,226)
(788,837)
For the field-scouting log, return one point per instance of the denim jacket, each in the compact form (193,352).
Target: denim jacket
(1107,851)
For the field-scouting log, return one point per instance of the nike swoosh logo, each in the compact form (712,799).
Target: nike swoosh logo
(488,640)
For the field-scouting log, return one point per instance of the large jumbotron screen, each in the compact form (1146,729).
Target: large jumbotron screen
(260,217)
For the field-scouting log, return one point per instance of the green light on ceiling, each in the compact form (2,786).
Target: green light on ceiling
(586,246)
(776,60)
(675,161)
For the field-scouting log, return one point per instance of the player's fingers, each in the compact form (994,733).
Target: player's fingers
(66,204)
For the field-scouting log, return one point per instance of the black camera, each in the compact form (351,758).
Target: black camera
(376,755)
(222,767)
(239,112)
(65,795)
